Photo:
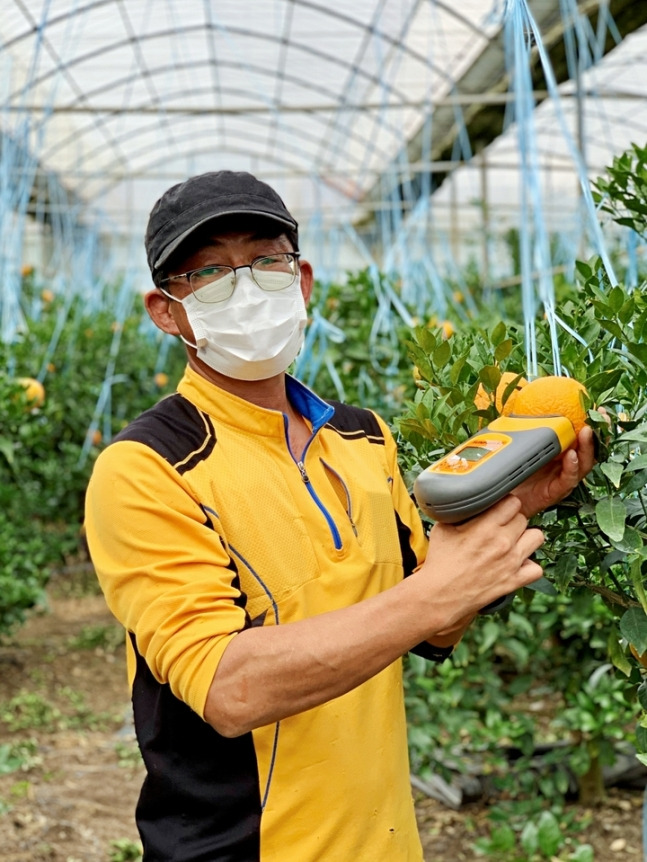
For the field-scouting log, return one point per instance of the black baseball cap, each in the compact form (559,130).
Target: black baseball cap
(190,205)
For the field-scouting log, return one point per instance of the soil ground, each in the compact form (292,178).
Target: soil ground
(74,796)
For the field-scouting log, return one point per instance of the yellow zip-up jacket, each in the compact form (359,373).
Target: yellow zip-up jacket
(200,523)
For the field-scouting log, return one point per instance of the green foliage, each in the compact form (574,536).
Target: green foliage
(541,837)
(536,674)
(107,638)
(366,366)
(128,755)
(595,550)
(124,850)
(16,756)
(623,191)
(47,450)
(596,538)
(29,710)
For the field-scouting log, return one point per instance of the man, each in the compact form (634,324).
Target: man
(262,552)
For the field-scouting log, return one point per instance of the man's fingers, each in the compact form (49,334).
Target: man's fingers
(530,541)
(585,451)
(505,510)
(530,572)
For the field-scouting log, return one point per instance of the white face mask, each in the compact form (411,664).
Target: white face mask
(253,335)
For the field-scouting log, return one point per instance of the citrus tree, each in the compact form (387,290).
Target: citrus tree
(51,380)
(596,540)
(357,354)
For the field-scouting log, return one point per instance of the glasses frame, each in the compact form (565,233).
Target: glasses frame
(295,255)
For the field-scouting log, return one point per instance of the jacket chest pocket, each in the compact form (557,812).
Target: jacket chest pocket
(369,508)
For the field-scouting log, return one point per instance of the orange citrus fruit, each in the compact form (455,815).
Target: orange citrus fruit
(553,396)
(448,328)
(160,379)
(34,390)
(484,399)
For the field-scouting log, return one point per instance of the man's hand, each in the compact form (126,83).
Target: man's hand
(559,477)
(471,564)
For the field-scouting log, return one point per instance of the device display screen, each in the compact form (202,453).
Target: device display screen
(474,453)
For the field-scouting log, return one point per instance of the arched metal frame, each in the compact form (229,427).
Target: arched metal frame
(337,123)
(362,135)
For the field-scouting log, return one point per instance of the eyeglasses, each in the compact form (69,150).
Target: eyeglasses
(216,283)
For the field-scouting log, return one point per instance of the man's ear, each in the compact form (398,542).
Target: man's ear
(307,280)
(158,307)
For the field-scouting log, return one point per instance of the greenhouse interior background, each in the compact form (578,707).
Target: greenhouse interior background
(409,135)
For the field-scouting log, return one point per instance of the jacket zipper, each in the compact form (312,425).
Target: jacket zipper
(336,537)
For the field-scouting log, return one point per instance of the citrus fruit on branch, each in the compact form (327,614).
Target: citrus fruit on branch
(484,399)
(34,390)
(553,395)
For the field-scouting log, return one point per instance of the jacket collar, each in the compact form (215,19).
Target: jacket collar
(242,414)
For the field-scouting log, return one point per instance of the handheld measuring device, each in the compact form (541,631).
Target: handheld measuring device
(479,472)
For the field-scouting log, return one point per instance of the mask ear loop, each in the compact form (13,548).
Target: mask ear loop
(186,341)
(175,299)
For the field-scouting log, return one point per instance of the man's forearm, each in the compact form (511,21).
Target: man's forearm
(269,673)
(266,674)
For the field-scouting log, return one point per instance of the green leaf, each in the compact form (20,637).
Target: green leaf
(582,853)
(543,585)
(7,449)
(636,435)
(565,570)
(638,350)
(616,299)
(498,333)
(617,655)
(503,350)
(642,695)
(549,834)
(491,633)
(529,838)
(641,738)
(455,371)
(425,338)
(631,541)
(633,627)
(636,483)
(613,471)
(503,839)
(584,269)
(611,514)
(638,463)
(627,311)
(603,380)
(490,375)
(442,354)
(635,572)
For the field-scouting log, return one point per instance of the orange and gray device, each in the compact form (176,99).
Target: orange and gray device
(489,465)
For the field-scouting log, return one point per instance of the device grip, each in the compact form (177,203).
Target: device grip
(497,605)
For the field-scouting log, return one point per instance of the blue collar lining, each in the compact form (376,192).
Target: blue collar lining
(309,405)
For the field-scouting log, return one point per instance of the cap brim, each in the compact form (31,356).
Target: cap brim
(177,242)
